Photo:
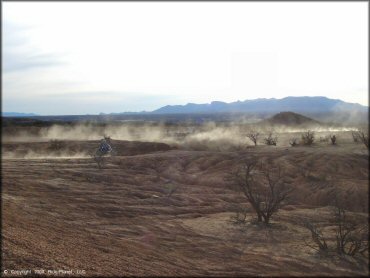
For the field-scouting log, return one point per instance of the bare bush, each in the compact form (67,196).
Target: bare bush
(264,188)
(317,238)
(355,136)
(270,139)
(293,142)
(351,238)
(308,138)
(333,139)
(240,215)
(363,137)
(253,136)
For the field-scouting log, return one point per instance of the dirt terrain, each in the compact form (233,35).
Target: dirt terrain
(157,209)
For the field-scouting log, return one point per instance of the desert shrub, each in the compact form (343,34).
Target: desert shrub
(362,136)
(264,188)
(351,237)
(270,139)
(308,138)
(317,237)
(293,142)
(240,215)
(333,139)
(253,136)
(355,136)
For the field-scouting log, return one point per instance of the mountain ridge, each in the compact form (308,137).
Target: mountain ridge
(294,104)
(18,114)
(310,106)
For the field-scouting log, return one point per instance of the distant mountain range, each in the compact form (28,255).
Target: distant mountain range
(306,105)
(17,114)
(319,108)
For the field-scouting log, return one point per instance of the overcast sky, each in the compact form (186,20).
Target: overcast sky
(91,57)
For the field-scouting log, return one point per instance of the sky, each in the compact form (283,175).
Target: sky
(63,58)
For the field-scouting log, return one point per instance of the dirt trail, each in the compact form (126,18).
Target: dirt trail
(65,213)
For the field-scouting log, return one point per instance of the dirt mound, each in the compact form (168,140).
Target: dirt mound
(290,119)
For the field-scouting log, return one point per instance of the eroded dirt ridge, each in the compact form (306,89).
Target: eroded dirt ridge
(159,209)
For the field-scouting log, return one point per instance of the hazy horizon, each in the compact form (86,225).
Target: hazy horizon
(145,55)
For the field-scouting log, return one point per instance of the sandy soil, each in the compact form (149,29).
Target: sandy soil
(65,213)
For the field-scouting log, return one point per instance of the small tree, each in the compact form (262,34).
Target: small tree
(266,194)
(293,142)
(308,138)
(253,136)
(270,139)
(363,137)
(351,238)
(317,237)
(333,139)
(355,136)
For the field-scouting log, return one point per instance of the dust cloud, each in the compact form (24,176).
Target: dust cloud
(30,154)
(206,136)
